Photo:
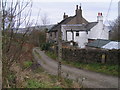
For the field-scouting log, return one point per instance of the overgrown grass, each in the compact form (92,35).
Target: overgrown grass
(68,82)
(11,79)
(51,55)
(38,70)
(97,67)
(35,84)
(37,54)
(27,64)
(65,83)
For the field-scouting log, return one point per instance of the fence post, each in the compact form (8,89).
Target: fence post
(103,58)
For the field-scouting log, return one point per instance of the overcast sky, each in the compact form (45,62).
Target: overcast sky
(54,9)
(69,0)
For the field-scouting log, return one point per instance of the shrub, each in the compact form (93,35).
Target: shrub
(45,46)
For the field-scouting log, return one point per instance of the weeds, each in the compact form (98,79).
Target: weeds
(97,67)
(38,70)
(35,84)
(27,64)
(68,82)
(51,55)
(37,54)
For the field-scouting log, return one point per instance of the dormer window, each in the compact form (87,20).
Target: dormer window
(77,33)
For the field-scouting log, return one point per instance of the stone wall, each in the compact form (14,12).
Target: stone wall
(91,55)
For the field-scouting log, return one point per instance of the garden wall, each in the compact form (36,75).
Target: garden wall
(91,55)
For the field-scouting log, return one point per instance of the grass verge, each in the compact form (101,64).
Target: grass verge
(51,55)
(42,79)
(27,64)
(96,67)
(37,54)
(35,84)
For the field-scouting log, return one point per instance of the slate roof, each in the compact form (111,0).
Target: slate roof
(78,27)
(57,26)
(98,43)
(83,27)
(90,25)
(112,45)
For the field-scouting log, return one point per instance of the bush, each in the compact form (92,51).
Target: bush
(51,55)
(45,46)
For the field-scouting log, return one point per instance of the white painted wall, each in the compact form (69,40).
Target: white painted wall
(82,39)
(99,31)
(63,33)
(69,36)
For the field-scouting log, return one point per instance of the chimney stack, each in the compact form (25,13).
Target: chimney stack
(65,16)
(78,14)
(78,11)
(76,7)
(99,17)
(80,6)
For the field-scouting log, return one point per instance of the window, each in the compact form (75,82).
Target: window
(77,33)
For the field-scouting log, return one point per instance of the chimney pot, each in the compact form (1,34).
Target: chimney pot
(99,14)
(76,7)
(65,16)
(100,17)
(80,6)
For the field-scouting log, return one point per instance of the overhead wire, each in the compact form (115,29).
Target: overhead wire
(105,20)
(108,11)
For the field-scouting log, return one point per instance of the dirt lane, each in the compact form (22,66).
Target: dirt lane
(93,79)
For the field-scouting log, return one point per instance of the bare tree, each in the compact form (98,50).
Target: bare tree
(115,32)
(37,37)
(12,19)
(45,19)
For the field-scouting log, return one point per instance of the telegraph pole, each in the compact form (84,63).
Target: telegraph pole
(59,53)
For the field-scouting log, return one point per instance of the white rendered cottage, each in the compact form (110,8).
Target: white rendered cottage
(76,28)
(84,33)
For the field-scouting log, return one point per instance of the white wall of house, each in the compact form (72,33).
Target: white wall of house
(69,36)
(63,33)
(99,31)
(82,39)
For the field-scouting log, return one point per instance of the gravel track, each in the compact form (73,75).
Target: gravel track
(92,79)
